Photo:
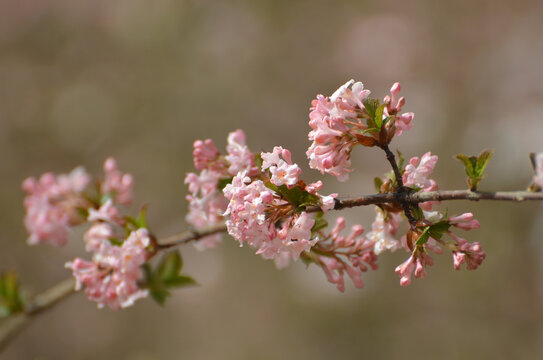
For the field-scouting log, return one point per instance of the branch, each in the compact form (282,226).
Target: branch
(52,296)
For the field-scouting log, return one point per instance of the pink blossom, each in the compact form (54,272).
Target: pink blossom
(464,221)
(204,154)
(107,212)
(52,206)
(394,106)
(471,254)
(416,263)
(206,205)
(283,170)
(111,278)
(117,184)
(383,232)
(98,236)
(538,177)
(416,174)
(239,156)
(332,138)
(251,221)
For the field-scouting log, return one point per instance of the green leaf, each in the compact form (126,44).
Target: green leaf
(482,161)
(170,266)
(423,237)
(160,295)
(371,106)
(179,281)
(320,223)
(377,182)
(10,298)
(258,161)
(438,229)
(401,161)
(299,198)
(224,182)
(165,277)
(475,167)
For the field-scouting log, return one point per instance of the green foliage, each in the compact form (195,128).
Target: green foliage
(299,198)
(375,112)
(435,231)
(224,182)
(139,222)
(165,277)
(320,223)
(475,167)
(377,182)
(10,297)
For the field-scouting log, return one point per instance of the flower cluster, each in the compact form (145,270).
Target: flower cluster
(337,254)
(267,212)
(206,201)
(348,118)
(111,278)
(53,205)
(429,237)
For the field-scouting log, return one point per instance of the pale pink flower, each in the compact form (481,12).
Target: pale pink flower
(239,156)
(111,278)
(382,232)
(417,174)
(538,177)
(464,221)
(204,154)
(332,138)
(250,203)
(117,184)
(98,236)
(283,170)
(107,212)
(206,205)
(53,205)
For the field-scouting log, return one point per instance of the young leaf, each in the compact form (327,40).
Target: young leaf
(423,238)
(377,182)
(475,167)
(320,223)
(170,266)
(10,298)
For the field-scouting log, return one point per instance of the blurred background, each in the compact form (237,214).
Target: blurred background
(141,80)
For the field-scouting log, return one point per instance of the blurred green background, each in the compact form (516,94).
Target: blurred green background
(141,80)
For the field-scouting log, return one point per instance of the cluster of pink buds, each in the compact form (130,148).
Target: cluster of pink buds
(206,201)
(394,107)
(428,237)
(337,254)
(348,118)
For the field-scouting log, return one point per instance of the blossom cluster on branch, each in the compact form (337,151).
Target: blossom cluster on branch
(265,204)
